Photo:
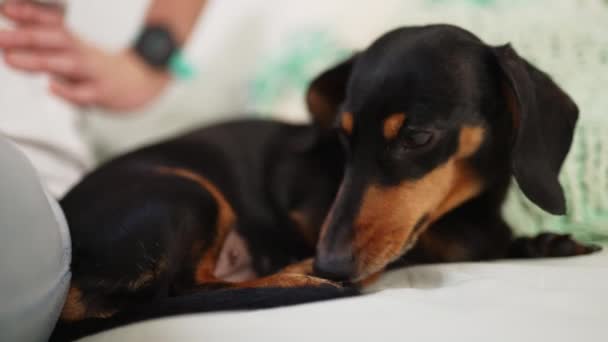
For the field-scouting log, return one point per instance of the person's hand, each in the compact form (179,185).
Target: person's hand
(80,73)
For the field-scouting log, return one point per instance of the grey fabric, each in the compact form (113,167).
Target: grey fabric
(34,251)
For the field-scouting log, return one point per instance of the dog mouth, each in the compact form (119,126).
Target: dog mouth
(409,243)
(418,229)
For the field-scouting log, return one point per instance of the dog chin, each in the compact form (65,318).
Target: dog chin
(374,268)
(409,244)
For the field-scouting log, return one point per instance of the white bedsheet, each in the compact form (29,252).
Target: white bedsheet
(538,300)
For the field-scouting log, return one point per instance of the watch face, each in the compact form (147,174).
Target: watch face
(156,45)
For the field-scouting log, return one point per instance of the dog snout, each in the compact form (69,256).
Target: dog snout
(337,267)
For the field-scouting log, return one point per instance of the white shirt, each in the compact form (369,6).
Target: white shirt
(44,127)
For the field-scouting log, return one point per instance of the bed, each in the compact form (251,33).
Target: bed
(537,300)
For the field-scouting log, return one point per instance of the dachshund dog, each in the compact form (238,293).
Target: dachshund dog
(413,145)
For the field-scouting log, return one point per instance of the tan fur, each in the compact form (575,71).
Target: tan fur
(73,309)
(384,227)
(295,275)
(224,224)
(148,276)
(389,214)
(285,280)
(347,122)
(302,267)
(465,184)
(392,125)
(142,280)
(471,138)
(370,280)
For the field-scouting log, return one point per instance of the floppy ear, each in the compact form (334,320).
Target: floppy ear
(327,92)
(544,117)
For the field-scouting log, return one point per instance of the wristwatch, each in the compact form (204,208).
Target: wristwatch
(157,46)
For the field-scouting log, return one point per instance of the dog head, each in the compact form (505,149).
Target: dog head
(423,114)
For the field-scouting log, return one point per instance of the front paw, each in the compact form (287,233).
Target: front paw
(304,267)
(550,245)
(300,280)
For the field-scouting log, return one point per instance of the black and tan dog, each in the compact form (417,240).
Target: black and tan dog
(414,145)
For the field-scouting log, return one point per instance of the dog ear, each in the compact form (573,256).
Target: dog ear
(544,118)
(327,92)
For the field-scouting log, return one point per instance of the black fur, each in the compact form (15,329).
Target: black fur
(547,117)
(221,300)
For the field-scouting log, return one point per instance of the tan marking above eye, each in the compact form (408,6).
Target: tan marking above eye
(392,125)
(471,138)
(347,122)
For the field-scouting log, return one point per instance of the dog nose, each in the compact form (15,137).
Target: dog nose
(334,267)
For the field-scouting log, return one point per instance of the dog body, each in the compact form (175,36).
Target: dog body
(414,144)
(172,203)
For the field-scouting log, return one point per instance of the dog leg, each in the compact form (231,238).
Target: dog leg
(449,241)
(295,275)
(548,245)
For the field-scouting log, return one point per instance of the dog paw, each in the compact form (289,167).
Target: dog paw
(304,267)
(288,280)
(550,245)
(302,280)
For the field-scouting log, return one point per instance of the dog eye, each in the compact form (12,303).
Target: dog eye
(416,139)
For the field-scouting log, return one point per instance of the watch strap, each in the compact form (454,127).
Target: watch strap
(180,67)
